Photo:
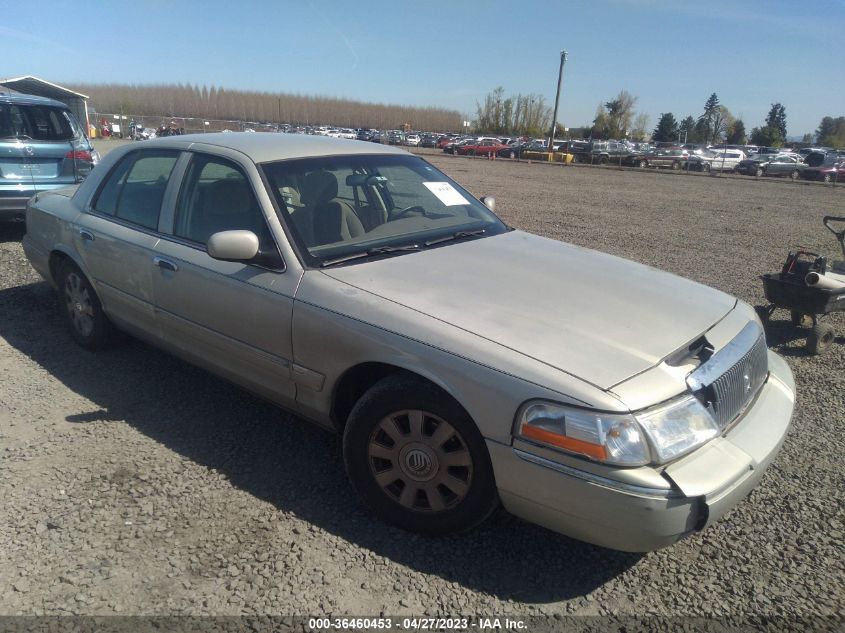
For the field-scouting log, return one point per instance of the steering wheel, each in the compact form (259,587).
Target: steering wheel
(395,215)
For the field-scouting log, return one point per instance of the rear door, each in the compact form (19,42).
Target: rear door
(117,235)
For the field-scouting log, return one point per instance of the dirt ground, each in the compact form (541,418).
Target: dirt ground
(134,483)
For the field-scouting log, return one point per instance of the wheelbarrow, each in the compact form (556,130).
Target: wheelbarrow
(808,304)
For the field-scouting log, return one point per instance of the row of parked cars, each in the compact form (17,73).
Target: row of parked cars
(822,163)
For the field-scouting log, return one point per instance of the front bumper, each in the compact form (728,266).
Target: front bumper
(700,488)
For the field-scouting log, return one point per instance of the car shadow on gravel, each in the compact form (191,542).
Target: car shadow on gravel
(291,464)
(12,231)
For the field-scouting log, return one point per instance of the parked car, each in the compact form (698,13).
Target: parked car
(42,147)
(464,363)
(412,139)
(428,140)
(675,158)
(831,170)
(772,165)
(452,148)
(480,148)
(365,135)
(716,160)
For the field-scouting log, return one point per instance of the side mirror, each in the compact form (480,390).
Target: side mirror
(233,246)
(489,202)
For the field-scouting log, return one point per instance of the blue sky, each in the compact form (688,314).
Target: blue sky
(671,54)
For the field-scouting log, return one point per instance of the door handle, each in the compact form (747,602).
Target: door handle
(166,264)
(86,235)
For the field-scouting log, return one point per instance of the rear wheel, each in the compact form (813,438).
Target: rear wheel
(827,178)
(794,175)
(643,164)
(759,172)
(512,154)
(821,338)
(81,307)
(417,459)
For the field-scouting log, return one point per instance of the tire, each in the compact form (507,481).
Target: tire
(759,172)
(799,319)
(512,154)
(827,178)
(821,338)
(676,166)
(81,307)
(794,175)
(395,452)
(705,167)
(602,160)
(642,164)
(471,152)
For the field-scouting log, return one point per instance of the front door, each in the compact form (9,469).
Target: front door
(234,318)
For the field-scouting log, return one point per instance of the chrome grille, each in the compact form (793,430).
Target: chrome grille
(728,382)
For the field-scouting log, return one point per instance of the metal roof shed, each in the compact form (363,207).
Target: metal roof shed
(30,85)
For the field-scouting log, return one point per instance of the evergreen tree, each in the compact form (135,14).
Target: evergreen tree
(777,119)
(667,128)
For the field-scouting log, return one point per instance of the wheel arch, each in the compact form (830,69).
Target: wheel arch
(356,380)
(58,256)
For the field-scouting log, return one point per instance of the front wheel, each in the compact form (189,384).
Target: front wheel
(676,166)
(759,172)
(512,154)
(827,178)
(643,164)
(794,175)
(81,308)
(417,459)
(705,167)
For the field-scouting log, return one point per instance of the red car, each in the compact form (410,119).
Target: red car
(826,172)
(481,148)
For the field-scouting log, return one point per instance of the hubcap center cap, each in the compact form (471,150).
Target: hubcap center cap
(418,461)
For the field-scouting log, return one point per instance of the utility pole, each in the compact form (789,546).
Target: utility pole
(557,101)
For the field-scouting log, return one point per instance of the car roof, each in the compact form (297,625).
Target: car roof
(267,147)
(24,99)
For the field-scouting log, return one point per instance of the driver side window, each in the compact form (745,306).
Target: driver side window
(217,197)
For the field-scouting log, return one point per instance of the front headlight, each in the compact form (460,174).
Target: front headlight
(677,427)
(655,435)
(605,437)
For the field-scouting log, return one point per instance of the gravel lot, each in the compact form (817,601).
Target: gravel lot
(134,483)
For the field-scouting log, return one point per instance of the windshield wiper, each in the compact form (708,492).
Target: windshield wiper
(455,236)
(380,250)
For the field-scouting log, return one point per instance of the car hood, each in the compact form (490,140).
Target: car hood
(592,315)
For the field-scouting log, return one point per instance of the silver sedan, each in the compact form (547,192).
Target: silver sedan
(465,364)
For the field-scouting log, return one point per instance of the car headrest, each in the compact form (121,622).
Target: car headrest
(318,187)
(229,196)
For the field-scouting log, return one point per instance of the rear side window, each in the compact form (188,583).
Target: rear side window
(134,190)
(35,123)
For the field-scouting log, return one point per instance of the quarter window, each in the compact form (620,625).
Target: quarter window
(135,188)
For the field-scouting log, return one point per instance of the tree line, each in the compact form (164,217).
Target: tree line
(618,119)
(516,115)
(192,101)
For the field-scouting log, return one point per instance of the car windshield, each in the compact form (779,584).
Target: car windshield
(36,123)
(342,206)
